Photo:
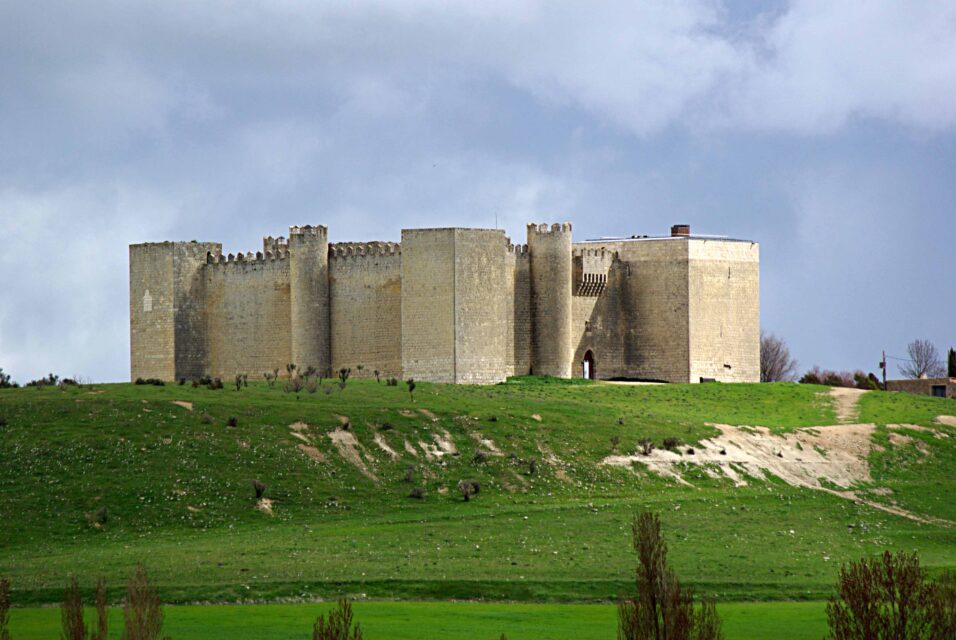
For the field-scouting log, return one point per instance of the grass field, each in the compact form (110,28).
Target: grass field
(176,483)
(440,621)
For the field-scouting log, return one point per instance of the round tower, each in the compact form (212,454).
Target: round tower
(550,251)
(309,293)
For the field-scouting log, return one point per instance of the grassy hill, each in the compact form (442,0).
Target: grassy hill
(176,484)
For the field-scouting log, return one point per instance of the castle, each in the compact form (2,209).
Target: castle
(450,305)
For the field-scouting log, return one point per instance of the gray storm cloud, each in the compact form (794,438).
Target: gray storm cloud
(824,130)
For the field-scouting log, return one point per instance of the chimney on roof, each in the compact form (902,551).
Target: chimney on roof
(679,230)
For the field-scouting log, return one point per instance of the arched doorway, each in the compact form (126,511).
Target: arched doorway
(588,365)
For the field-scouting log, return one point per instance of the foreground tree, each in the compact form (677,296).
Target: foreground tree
(889,598)
(142,609)
(776,364)
(951,363)
(4,609)
(338,626)
(924,360)
(662,609)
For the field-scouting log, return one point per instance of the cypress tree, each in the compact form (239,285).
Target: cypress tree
(952,363)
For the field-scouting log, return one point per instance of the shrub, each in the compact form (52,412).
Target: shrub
(233,421)
(4,609)
(101,516)
(614,440)
(378,376)
(662,607)
(409,473)
(492,418)
(182,381)
(344,374)
(6,382)
(480,456)
(49,381)
(294,385)
(417,493)
(71,612)
(215,383)
(338,626)
(206,418)
(532,466)
(156,382)
(3,422)
(142,609)
(259,488)
(309,372)
(311,386)
(671,443)
(387,426)
(411,388)
(690,451)
(889,597)
(468,488)
(646,446)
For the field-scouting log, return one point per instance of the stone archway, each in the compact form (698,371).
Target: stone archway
(587,365)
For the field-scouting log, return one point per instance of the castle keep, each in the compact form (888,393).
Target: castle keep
(450,305)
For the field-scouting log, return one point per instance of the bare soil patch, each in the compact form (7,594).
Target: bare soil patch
(949,421)
(555,462)
(845,403)
(312,452)
(383,445)
(428,414)
(265,506)
(410,448)
(349,447)
(443,445)
(185,405)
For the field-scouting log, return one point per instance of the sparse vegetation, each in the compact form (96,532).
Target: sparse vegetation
(72,613)
(662,608)
(6,382)
(891,597)
(468,488)
(259,488)
(776,363)
(156,382)
(338,626)
(4,609)
(924,360)
(232,421)
(142,609)
(645,446)
(50,380)
(670,443)
(418,493)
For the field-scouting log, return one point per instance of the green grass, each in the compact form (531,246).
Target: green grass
(179,496)
(445,620)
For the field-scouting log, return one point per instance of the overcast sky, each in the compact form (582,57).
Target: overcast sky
(824,130)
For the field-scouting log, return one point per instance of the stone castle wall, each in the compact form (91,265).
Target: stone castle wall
(449,305)
(365,292)
(724,317)
(248,317)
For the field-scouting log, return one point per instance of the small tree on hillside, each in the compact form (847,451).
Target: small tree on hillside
(889,597)
(924,360)
(951,363)
(662,609)
(411,388)
(5,381)
(776,364)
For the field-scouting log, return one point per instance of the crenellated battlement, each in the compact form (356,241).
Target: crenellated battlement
(318,231)
(544,228)
(342,250)
(518,249)
(275,245)
(246,258)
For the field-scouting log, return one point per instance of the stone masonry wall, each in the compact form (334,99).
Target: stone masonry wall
(365,289)
(484,307)
(521,312)
(247,316)
(428,304)
(152,336)
(724,298)
(654,309)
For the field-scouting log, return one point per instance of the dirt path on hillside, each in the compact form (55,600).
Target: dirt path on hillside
(845,403)
(818,458)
